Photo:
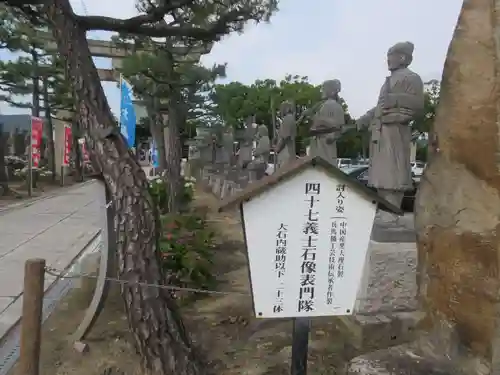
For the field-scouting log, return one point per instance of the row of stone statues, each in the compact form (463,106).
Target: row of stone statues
(400,100)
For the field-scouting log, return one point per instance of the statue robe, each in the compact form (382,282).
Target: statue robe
(287,133)
(329,117)
(401,98)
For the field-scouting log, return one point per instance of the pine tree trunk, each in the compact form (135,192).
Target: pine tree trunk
(75,135)
(157,126)
(48,119)
(174,156)
(157,327)
(4,178)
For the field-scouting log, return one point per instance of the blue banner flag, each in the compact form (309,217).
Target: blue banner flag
(127,112)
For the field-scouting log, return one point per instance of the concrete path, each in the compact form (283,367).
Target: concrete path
(56,229)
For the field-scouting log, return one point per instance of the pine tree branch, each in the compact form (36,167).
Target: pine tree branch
(213,29)
(154,15)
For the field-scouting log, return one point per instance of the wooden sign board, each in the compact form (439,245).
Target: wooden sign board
(307,231)
(307,240)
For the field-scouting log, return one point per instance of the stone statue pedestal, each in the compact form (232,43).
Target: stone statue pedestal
(217,185)
(206,173)
(244,178)
(401,230)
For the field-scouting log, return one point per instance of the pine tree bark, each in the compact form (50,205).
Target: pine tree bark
(174,155)
(75,135)
(4,178)
(48,119)
(157,327)
(157,125)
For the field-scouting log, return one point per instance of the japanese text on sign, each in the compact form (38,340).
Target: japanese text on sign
(280,261)
(308,251)
(338,234)
(331,262)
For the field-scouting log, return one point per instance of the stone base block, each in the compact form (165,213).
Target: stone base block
(393,233)
(386,307)
(217,185)
(381,330)
(403,360)
(228,188)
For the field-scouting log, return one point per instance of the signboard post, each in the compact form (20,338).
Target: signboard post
(34,151)
(66,151)
(309,254)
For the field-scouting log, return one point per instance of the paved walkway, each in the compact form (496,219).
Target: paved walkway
(55,228)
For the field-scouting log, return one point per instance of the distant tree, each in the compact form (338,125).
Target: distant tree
(234,102)
(34,71)
(172,85)
(425,121)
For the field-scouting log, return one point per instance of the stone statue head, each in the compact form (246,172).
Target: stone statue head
(263,131)
(400,55)
(330,89)
(287,108)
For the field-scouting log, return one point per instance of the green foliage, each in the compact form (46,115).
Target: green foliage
(186,251)
(169,71)
(19,76)
(431,100)
(235,102)
(159,190)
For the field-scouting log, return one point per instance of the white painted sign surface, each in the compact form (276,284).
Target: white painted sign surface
(307,240)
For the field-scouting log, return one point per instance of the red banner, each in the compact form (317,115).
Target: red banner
(85,153)
(67,145)
(36,140)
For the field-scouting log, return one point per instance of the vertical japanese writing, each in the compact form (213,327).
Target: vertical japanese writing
(331,262)
(308,252)
(338,233)
(342,228)
(279,266)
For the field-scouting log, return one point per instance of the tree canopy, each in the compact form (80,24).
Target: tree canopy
(235,102)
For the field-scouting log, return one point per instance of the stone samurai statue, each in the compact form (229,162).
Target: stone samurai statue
(400,100)
(261,153)
(285,145)
(246,145)
(328,123)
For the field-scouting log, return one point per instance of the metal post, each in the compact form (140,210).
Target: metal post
(62,174)
(300,346)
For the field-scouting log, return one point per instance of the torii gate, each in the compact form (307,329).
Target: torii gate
(104,48)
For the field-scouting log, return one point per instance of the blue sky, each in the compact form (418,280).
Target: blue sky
(343,39)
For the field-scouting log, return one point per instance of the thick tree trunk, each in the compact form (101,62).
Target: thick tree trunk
(4,178)
(76,134)
(174,156)
(50,130)
(153,315)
